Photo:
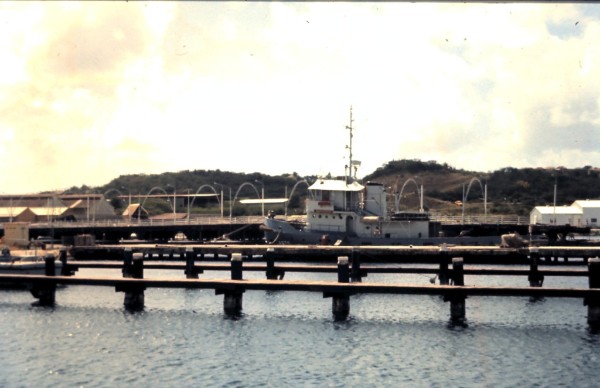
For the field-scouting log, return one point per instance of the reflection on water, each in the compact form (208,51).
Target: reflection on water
(290,338)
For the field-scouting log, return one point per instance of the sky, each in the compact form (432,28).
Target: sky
(91,91)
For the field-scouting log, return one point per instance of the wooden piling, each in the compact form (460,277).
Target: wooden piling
(232,301)
(343,269)
(457,301)
(536,279)
(356,273)
(134,294)
(443,274)
(341,301)
(46,292)
(272,272)
(62,256)
(190,271)
(270,259)
(127,260)
(66,269)
(593,304)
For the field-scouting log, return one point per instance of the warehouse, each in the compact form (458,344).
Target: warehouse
(580,213)
(54,207)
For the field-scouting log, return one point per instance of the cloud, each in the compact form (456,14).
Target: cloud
(90,91)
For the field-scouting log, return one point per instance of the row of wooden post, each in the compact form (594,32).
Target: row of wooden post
(348,270)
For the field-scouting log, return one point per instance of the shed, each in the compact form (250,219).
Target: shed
(581,213)
(556,215)
(590,210)
(16,214)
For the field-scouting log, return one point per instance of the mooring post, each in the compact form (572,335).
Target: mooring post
(343,269)
(593,304)
(457,301)
(134,295)
(62,256)
(190,271)
(356,273)
(270,259)
(536,279)
(443,274)
(46,292)
(50,266)
(236,266)
(232,301)
(127,260)
(272,272)
(66,269)
(341,301)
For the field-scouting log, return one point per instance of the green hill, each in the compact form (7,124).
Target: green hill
(509,190)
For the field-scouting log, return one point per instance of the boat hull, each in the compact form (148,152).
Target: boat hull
(279,231)
(25,268)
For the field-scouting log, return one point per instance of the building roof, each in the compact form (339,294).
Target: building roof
(78,203)
(48,211)
(558,210)
(265,201)
(587,203)
(336,185)
(12,211)
(132,209)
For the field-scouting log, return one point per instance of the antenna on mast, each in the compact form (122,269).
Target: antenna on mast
(351,163)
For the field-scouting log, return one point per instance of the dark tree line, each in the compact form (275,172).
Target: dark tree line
(524,188)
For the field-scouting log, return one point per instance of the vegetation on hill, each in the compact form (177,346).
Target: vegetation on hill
(510,190)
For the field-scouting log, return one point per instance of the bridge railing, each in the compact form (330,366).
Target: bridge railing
(200,220)
(480,219)
(217,220)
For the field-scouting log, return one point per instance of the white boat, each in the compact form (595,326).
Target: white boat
(26,263)
(346,212)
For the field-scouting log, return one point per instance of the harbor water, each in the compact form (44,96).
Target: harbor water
(182,338)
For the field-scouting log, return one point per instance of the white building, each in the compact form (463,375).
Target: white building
(580,213)
(590,210)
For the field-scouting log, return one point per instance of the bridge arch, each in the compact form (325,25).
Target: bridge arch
(200,189)
(398,195)
(304,181)
(466,195)
(240,189)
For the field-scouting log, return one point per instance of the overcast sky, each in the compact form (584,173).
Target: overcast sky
(90,91)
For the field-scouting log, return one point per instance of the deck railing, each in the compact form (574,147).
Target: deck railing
(480,219)
(201,220)
(218,220)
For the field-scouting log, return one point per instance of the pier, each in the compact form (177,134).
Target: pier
(328,253)
(450,273)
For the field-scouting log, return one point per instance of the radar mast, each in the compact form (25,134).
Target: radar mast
(351,163)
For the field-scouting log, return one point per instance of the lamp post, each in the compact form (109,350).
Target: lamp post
(188,206)
(139,208)
(174,199)
(555,185)
(221,201)
(230,204)
(262,195)
(463,206)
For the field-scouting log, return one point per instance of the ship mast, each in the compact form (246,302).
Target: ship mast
(351,162)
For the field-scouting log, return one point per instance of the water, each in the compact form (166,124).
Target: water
(290,339)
